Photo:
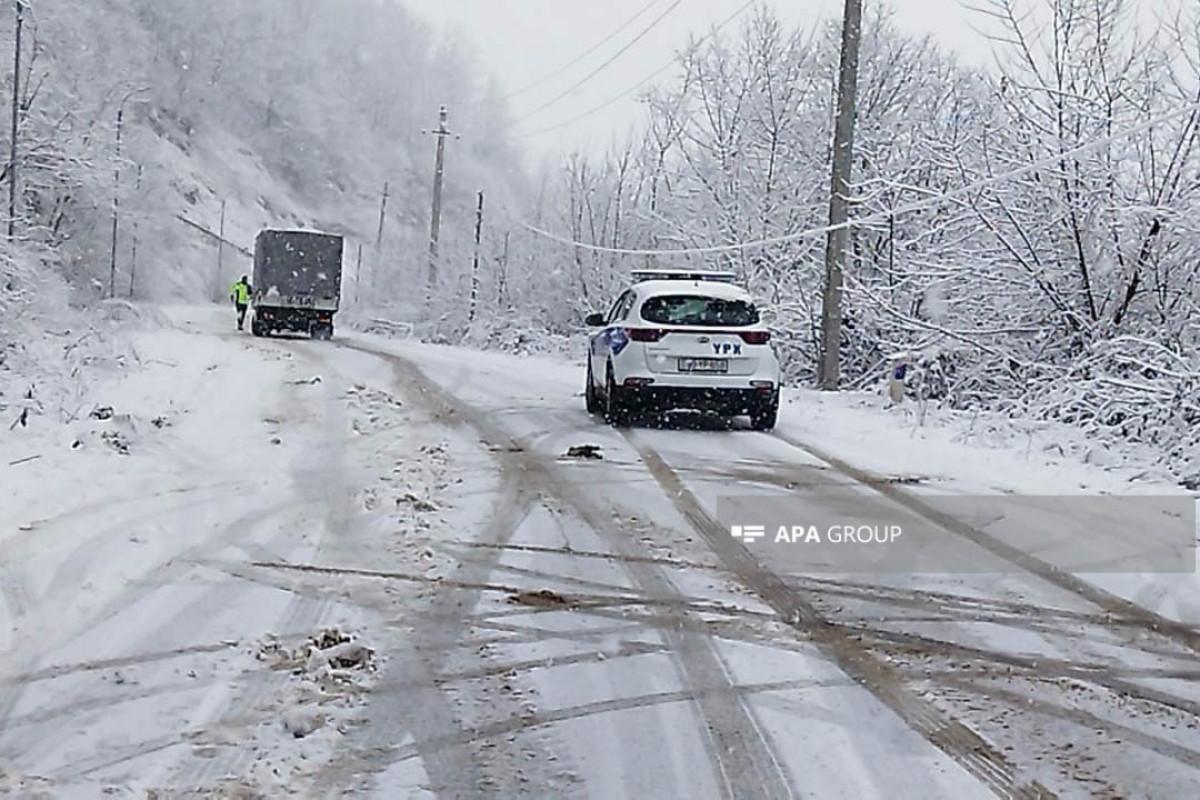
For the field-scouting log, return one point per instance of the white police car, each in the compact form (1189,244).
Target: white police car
(682,340)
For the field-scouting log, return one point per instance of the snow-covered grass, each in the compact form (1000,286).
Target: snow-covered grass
(55,354)
(974,451)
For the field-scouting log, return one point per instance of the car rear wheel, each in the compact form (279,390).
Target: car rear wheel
(589,393)
(763,419)
(616,412)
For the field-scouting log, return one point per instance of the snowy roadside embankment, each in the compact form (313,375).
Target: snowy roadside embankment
(971,452)
(179,602)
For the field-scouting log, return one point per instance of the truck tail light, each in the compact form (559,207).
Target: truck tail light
(646,334)
(633,383)
(756,337)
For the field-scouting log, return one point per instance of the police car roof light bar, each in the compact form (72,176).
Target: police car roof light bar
(683,275)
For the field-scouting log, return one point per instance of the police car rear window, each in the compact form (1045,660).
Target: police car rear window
(679,309)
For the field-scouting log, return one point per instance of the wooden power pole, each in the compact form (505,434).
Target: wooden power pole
(435,222)
(378,266)
(133,251)
(475,263)
(221,250)
(116,205)
(16,117)
(839,198)
(358,275)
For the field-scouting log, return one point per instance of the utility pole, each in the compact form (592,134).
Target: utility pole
(133,253)
(221,250)
(16,116)
(116,201)
(379,238)
(357,274)
(475,263)
(116,205)
(502,273)
(839,198)
(435,223)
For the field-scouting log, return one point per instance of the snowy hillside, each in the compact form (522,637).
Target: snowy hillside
(291,113)
(277,113)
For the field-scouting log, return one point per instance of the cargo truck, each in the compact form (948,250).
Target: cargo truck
(297,283)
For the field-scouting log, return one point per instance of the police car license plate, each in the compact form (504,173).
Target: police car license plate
(703,365)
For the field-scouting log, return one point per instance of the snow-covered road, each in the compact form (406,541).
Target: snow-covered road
(185,592)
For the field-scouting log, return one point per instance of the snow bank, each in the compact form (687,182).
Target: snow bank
(511,334)
(51,352)
(978,451)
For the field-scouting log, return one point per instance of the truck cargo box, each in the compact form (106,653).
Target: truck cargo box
(297,269)
(297,282)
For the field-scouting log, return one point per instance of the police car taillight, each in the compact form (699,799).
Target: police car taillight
(646,334)
(756,337)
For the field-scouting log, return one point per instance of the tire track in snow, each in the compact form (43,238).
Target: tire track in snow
(29,633)
(1040,667)
(542,719)
(744,757)
(969,750)
(16,596)
(190,617)
(322,480)
(409,697)
(421,709)
(70,575)
(61,670)
(1121,623)
(588,554)
(133,595)
(614,597)
(45,525)
(1084,719)
(1152,623)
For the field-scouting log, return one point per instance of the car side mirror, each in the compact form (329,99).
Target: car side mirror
(594,320)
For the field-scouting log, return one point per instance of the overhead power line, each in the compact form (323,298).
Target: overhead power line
(560,70)
(618,97)
(883,216)
(645,31)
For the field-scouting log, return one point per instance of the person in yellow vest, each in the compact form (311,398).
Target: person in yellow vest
(239,293)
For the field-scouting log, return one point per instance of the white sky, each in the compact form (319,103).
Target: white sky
(521,41)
